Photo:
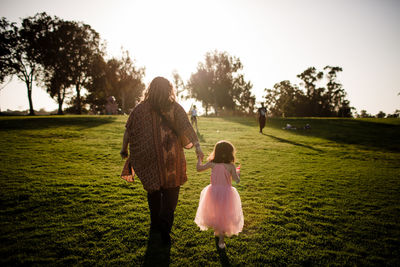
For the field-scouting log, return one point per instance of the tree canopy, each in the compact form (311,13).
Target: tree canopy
(218,83)
(17,55)
(65,56)
(290,100)
(116,77)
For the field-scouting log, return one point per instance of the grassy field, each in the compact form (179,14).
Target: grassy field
(325,196)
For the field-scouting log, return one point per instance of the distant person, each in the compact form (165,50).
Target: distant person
(220,207)
(262,114)
(157,130)
(193,116)
(111,106)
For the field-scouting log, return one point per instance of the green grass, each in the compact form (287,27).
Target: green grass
(326,196)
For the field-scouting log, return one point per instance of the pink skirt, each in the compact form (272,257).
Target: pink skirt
(220,208)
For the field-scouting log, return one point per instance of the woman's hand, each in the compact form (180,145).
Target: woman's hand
(124,154)
(124,149)
(199,153)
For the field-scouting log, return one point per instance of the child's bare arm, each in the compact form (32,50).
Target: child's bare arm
(235,175)
(202,167)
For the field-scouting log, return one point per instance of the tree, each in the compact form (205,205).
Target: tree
(345,109)
(284,100)
(199,88)
(219,84)
(314,95)
(64,51)
(395,114)
(335,98)
(178,83)
(364,114)
(83,48)
(128,87)
(17,56)
(51,47)
(244,100)
(381,114)
(7,39)
(98,86)
(116,77)
(58,86)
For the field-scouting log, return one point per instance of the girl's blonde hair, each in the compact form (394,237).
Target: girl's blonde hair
(224,152)
(160,94)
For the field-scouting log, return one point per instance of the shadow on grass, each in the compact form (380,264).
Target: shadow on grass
(37,123)
(380,134)
(291,142)
(157,254)
(223,258)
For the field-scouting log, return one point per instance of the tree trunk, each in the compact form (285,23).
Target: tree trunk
(60,103)
(215,105)
(78,99)
(216,110)
(123,101)
(60,111)
(29,87)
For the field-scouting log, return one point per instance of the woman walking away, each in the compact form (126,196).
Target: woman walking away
(157,130)
(220,207)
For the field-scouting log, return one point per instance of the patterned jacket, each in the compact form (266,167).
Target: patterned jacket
(156,143)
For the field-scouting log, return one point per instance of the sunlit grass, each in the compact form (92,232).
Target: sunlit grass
(327,196)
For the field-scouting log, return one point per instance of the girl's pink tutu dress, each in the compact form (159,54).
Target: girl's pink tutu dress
(220,207)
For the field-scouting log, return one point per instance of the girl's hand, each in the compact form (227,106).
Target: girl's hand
(238,171)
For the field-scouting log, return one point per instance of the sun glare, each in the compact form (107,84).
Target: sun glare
(275,40)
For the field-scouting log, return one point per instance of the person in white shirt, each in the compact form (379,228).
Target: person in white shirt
(193,117)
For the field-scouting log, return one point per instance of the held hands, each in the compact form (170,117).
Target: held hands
(199,153)
(238,170)
(238,173)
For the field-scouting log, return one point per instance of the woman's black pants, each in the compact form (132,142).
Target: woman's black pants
(261,120)
(162,204)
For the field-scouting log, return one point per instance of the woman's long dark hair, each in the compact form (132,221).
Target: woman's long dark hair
(160,94)
(224,152)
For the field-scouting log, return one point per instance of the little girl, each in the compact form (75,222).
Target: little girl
(220,207)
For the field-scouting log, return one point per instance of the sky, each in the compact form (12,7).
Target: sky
(275,41)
